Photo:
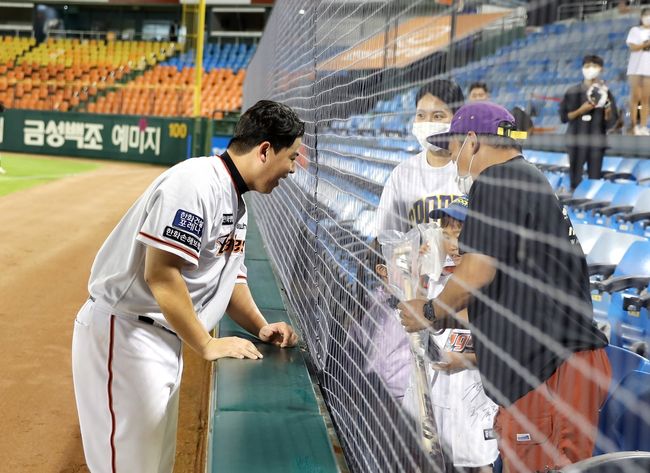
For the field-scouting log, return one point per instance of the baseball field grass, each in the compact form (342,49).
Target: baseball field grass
(24,171)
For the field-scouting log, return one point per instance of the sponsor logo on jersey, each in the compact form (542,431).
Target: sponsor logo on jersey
(231,245)
(460,341)
(183,238)
(524,438)
(421,209)
(227,220)
(185,220)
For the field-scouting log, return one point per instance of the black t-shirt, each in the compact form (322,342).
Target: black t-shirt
(587,130)
(541,284)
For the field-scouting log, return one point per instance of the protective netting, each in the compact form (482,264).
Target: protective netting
(358,74)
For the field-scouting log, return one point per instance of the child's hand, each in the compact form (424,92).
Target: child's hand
(412,316)
(454,362)
(424,249)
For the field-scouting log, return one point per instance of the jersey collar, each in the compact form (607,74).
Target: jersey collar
(237,180)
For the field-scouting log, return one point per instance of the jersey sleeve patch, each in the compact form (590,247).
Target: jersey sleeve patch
(183,238)
(185,220)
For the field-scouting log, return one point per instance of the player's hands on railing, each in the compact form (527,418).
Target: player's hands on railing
(412,315)
(279,334)
(230,347)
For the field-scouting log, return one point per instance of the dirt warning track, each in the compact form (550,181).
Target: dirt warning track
(49,237)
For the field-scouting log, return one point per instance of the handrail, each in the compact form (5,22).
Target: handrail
(581,8)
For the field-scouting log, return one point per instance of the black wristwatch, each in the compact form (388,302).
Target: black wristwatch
(428,311)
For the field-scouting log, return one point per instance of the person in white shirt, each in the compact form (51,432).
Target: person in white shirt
(425,182)
(163,279)
(638,72)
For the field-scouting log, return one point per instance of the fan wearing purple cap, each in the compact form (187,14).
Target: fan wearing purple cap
(524,281)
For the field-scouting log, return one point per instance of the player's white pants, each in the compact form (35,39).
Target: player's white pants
(127,377)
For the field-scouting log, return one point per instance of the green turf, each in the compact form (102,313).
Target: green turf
(24,171)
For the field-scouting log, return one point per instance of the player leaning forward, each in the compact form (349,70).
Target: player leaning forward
(163,278)
(524,281)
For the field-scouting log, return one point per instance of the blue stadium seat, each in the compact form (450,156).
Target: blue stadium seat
(623,423)
(602,198)
(642,172)
(610,165)
(624,172)
(608,251)
(602,260)
(585,191)
(623,362)
(624,201)
(631,277)
(589,234)
(636,221)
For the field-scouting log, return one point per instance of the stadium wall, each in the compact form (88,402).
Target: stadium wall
(153,140)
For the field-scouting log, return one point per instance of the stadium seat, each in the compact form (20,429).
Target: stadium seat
(624,201)
(603,259)
(624,362)
(636,221)
(623,423)
(583,211)
(589,234)
(624,172)
(631,277)
(642,172)
(585,192)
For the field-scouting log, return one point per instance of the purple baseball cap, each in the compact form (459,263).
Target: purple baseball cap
(481,117)
(485,118)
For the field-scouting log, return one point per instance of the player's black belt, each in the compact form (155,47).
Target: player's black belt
(145,320)
(148,320)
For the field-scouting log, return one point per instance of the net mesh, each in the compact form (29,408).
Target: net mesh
(354,71)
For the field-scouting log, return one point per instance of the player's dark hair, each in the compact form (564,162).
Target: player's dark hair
(592,58)
(2,107)
(446,90)
(266,121)
(479,85)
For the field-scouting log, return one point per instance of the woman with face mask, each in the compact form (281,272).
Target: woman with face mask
(638,72)
(589,109)
(425,182)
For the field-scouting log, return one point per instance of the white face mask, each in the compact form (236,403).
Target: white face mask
(465,182)
(590,73)
(423,130)
(646,20)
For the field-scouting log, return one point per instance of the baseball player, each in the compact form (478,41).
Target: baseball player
(463,412)
(425,182)
(163,279)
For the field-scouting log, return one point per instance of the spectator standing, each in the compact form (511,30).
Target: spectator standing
(478,91)
(589,108)
(638,72)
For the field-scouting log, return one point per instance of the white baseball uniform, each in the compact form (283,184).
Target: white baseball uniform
(413,189)
(464,414)
(127,362)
